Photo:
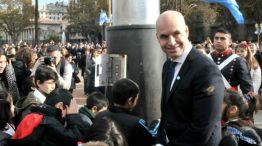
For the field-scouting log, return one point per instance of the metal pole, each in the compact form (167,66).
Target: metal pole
(258,40)
(109,9)
(135,20)
(181,6)
(259,33)
(36,22)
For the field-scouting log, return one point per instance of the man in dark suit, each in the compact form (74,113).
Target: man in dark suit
(192,97)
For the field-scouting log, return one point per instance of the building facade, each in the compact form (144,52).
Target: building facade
(51,23)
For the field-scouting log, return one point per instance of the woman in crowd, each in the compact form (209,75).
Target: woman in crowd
(23,64)
(244,51)
(6,113)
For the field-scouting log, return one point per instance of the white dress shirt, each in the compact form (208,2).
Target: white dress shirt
(180,61)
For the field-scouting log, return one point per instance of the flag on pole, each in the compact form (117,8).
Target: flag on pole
(102,17)
(232,6)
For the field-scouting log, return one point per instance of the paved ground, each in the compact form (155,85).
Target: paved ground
(258,119)
(78,93)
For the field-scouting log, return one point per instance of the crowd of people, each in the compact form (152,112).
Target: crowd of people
(210,94)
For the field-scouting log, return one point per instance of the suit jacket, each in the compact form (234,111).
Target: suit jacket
(191,112)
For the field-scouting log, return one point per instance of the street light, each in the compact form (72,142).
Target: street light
(258,32)
(36,22)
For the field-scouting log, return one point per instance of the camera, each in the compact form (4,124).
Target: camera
(48,60)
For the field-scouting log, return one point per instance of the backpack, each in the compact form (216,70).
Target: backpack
(28,133)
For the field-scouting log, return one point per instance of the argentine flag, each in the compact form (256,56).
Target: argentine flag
(232,6)
(102,17)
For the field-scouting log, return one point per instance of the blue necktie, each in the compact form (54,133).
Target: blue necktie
(170,76)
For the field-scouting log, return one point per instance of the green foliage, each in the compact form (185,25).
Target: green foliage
(54,38)
(15,16)
(214,13)
(83,16)
(251,9)
(193,10)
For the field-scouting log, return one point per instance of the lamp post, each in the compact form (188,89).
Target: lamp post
(258,32)
(36,22)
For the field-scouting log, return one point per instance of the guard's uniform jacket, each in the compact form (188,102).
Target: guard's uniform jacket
(236,72)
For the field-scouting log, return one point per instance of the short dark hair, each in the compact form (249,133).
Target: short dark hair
(44,73)
(223,30)
(122,90)
(59,95)
(106,130)
(233,98)
(52,48)
(5,108)
(97,99)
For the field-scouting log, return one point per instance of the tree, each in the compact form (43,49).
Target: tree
(83,16)
(198,15)
(15,16)
(252,10)
(54,38)
(193,10)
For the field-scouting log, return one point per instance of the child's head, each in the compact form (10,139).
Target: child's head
(125,93)
(59,98)
(97,102)
(106,130)
(45,79)
(243,50)
(6,108)
(236,106)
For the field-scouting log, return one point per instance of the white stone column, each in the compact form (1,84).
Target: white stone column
(133,33)
(126,12)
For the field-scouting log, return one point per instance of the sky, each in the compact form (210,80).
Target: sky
(44,2)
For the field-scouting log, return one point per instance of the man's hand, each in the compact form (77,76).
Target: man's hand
(53,67)
(37,63)
(72,108)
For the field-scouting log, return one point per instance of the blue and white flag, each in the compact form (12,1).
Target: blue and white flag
(102,17)
(232,6)
(258,32)
(110,19)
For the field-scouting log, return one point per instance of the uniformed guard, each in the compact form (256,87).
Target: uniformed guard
(234,69)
